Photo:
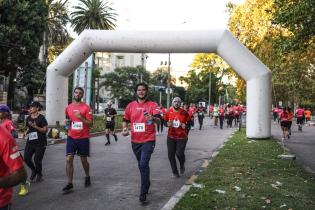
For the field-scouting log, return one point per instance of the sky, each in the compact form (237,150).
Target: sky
(170,15)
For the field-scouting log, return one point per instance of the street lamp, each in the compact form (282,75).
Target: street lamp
(168,89)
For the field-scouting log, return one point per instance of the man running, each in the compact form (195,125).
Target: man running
(201,114)
(80,118)
(177,120)
(12,171)
(141,114)
(299,117)
(109,118)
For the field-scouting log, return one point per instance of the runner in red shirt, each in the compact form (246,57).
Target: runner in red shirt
(177,120)
(12,171)
(192,111)
(79,118)
(284,122)
(142,114)
(221,116)
(5,121)
(299,117)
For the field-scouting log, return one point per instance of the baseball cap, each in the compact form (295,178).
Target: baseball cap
(4,108)
(109,102)
(36,104)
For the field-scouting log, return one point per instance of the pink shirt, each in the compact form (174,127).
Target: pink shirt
(78,129)
(10,161)
(299,112)
(141,130)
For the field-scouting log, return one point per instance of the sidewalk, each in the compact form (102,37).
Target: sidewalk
(115,175)
(301,144)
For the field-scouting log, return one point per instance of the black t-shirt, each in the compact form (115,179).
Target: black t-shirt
(34,136)
(109,118)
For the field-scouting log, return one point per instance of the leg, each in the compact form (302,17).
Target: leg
(107,136)
(28,154)
(180,154)
(147,150)
(38,158)
(69,168)
(86,165)
(171,151)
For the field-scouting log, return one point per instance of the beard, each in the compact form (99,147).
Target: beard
(142,98)
(77,99)
(176,107)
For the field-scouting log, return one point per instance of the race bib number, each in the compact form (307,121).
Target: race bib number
(108,119)
(32,136)
(77,125)
(176,123)
(139,127)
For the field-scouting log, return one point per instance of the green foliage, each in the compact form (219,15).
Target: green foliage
(22,25)
(99,123)
(299,17)
(32,78)
(93,14)
(122,81)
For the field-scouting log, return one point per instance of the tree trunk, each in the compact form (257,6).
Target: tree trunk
(11,88)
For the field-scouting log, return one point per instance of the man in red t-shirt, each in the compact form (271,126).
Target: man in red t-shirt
(12,171)
(177,120)
(142,114)
(79,118)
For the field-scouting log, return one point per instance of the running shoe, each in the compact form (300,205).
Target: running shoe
(68,188)
(182,170)
(143,198)
(23,190)
(107,143)
(87,182)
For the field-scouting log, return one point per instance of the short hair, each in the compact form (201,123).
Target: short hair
(141,84)
(78,88)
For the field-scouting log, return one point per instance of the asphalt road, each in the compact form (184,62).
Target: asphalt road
(115,175)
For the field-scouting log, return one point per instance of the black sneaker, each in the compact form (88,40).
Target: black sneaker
(33,175)
(143,198)
(182,170)
(87,182)
(39,178)
(107,143)
(68,188)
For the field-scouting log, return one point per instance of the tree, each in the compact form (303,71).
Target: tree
(298,16)
(198,79)
(93,14)
(122,81)
(22,25)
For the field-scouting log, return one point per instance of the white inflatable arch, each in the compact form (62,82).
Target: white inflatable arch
(222,42)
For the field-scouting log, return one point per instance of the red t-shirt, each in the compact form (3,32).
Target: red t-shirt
(78,129)
(221,112)
(177,117)
(8,124)
(10,161)
(141,130)
(299,112)
(284,116)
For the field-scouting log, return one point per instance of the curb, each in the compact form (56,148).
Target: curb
(186,187)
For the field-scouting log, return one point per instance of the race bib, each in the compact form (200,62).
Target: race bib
(77,125)
(139,127)
(32,136)
(108,119)
(176,123)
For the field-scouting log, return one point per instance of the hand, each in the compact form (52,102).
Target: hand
(78,115)
(125,132)
(183,125)
(32,124)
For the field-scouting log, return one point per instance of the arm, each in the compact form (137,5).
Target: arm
(14,178)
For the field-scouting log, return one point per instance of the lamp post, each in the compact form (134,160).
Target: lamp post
(168,89)
(168,80)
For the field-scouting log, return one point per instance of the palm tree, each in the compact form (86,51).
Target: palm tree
(93,14)
(55,30)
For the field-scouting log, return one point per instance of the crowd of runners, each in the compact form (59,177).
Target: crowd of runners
(143,120)
(285,117)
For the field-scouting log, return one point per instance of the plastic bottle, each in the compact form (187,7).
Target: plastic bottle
(146,114)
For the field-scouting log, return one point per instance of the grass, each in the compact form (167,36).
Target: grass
(99,123)
(265,181)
